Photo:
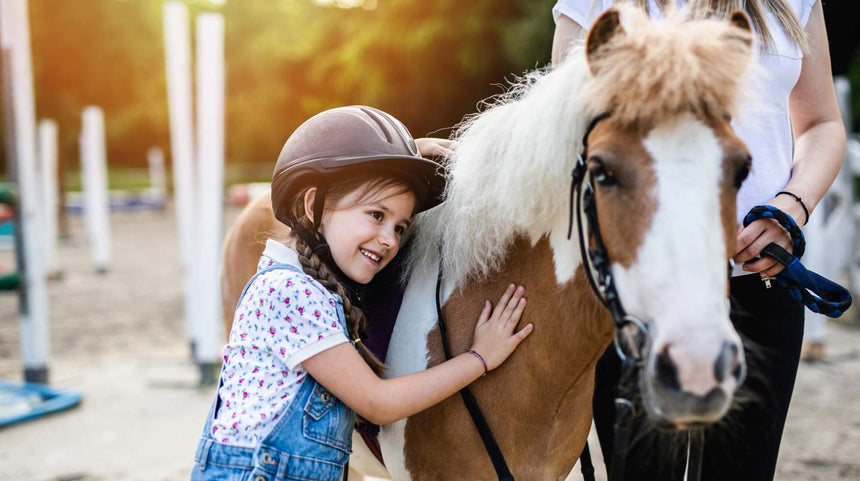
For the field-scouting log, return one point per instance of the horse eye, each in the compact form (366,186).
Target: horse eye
(601,174)
(742,173)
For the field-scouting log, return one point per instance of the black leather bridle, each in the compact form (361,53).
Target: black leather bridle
(631,333)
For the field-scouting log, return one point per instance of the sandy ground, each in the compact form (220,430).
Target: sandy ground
(120,339)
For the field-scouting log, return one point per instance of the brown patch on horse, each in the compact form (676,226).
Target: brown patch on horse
(677,65)
(539,440)
(625,210)
(243,246)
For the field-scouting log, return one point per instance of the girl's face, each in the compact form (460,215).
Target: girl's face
(364,234)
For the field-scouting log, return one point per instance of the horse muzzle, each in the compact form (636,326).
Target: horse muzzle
(684,386)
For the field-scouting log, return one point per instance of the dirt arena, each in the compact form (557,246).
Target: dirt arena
(119,338)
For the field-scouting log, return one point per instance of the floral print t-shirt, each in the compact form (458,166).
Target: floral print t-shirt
(284,318)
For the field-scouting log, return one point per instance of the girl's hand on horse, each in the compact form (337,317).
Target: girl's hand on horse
(753,238)
(382,401)
(495,338)
(433,147)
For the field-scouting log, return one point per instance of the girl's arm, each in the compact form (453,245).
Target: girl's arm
(819,147)
(382,401)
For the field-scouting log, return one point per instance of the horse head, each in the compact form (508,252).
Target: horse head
(665,168)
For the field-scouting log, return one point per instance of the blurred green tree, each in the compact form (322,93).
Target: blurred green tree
(428,63)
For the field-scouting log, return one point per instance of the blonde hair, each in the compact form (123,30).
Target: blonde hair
(756,9)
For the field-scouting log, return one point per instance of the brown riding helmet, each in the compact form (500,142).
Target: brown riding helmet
(336,142)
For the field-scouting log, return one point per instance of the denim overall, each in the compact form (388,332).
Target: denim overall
(311,441)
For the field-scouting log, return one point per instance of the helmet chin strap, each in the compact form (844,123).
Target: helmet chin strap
(319,205)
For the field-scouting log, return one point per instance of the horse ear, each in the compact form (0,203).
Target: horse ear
(739,19)
(605,27)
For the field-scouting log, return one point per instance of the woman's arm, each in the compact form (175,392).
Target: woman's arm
(819,148)
(566,31)
(382,401)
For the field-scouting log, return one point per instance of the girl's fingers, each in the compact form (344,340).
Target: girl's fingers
(523,333)
(512,304)
(503,302)
(516,315)
(485,313)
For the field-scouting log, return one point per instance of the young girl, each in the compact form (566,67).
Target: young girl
(296,370)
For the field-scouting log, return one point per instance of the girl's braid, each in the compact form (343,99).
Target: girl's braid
(356,321)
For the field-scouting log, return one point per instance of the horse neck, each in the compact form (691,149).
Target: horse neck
(543,391)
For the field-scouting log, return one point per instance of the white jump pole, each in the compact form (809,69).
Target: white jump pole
(48,156)
(157,180)
(94,180)
(210,188)
(177,49)
(21,114)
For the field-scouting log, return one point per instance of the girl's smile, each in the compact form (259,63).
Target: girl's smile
(364,234)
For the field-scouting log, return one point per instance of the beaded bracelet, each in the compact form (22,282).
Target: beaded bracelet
(799,200)
(480,358)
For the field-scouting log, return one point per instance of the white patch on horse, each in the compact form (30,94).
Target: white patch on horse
(565,252)
(408,353)
(686,229)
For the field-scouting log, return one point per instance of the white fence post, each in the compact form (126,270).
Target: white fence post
(177,50)
(210,200)
(20,110)
(157,179)
(95,185)
(48,164)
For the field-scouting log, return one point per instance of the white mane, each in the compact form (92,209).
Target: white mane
(510,175)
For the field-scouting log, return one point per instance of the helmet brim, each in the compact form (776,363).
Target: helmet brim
(425,177)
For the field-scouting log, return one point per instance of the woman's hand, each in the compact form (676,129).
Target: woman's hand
(756,236)
(433,147)
(495,339)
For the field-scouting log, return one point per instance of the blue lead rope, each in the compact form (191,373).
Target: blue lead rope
(819,294)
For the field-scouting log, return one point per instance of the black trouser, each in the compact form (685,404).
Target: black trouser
(745,446)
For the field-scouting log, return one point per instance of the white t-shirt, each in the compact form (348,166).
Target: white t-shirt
(284,318)
(765,127)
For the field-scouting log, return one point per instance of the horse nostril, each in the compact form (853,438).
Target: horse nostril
(728,362)
(667,373)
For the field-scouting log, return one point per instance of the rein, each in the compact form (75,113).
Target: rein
(478,419)
(817,293)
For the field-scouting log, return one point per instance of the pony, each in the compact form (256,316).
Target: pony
(666,167)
